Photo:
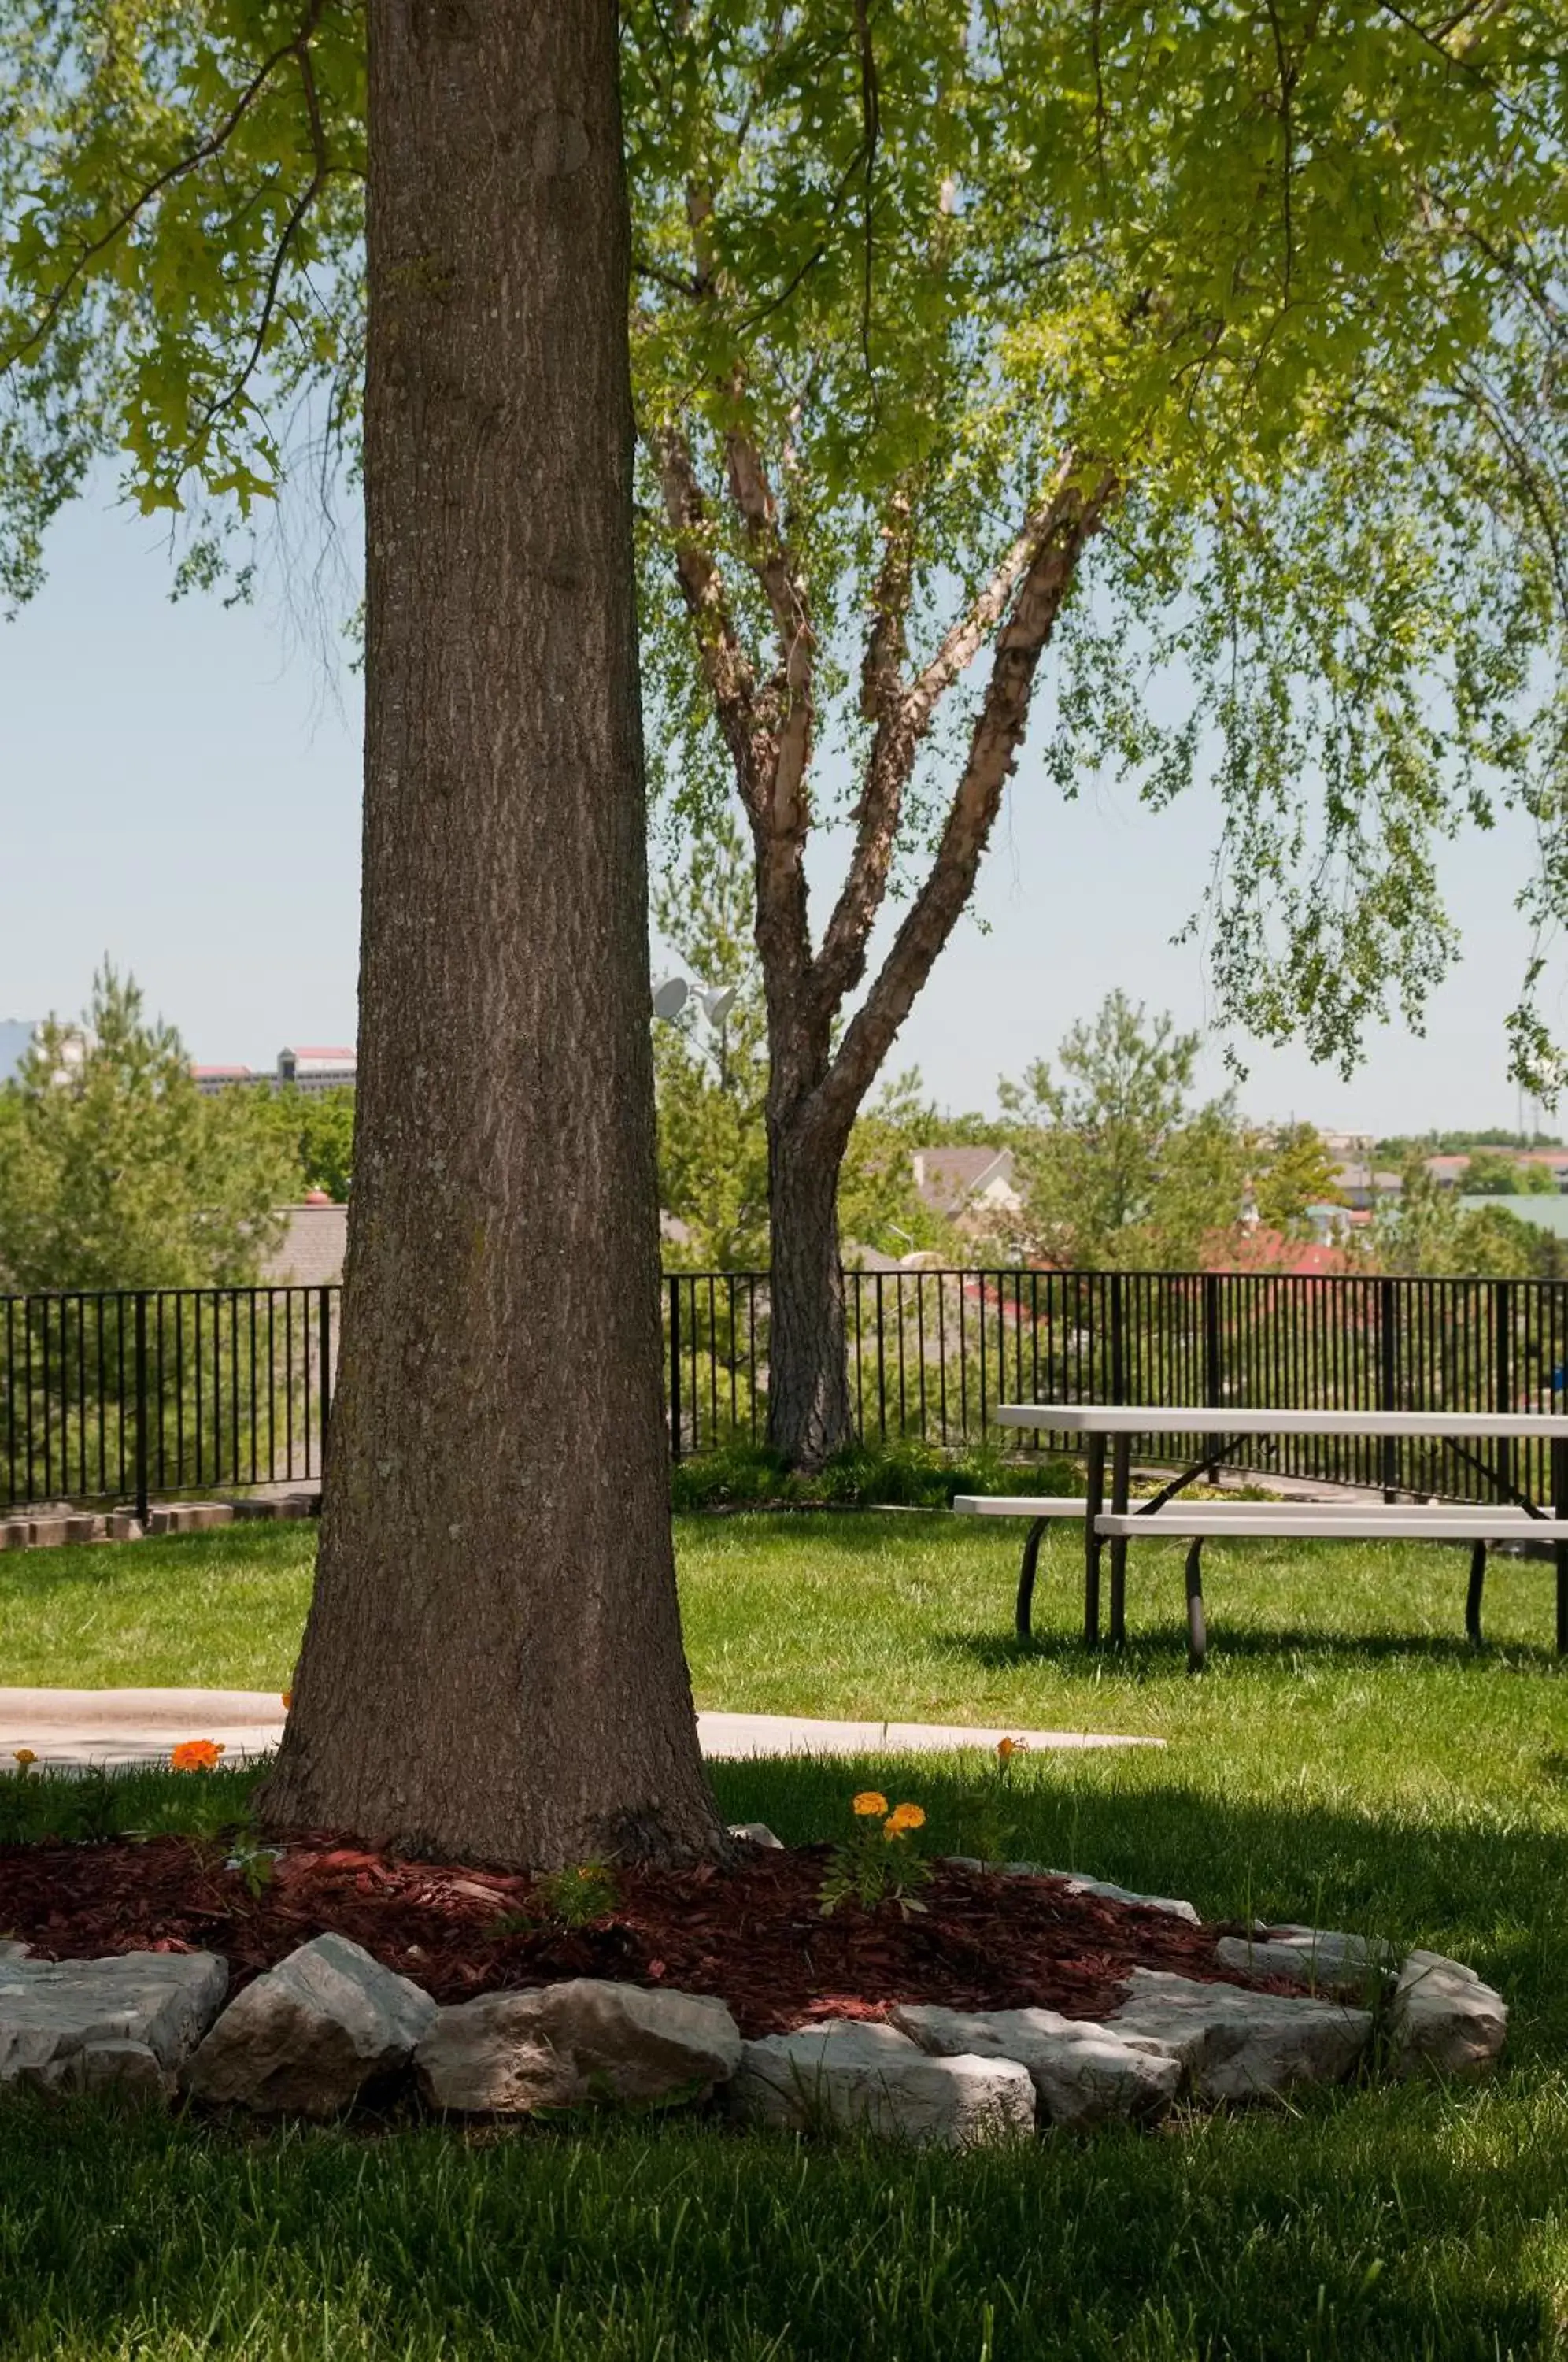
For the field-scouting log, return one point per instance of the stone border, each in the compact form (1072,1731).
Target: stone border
(330,2027)
(50,1528)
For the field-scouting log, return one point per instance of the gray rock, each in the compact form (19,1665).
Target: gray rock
(1083,2074)
(1233,2043)
(757,1833)
(81,2025)
(570,2044)
(853,2076)
(1317,1956)
(1444,2019)
(10,1950)
(307,2037)
(1079,1884)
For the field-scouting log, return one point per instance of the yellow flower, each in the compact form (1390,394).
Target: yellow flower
(868,1802)
(903,1818)
(1007,1748)
(25,1756)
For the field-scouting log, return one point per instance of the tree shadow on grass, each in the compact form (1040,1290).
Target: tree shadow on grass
(1162,1648)
(1354,2226)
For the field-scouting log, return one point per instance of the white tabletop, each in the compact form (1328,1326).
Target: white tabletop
(1187,1418)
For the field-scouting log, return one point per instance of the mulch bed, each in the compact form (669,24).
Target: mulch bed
(753,1934)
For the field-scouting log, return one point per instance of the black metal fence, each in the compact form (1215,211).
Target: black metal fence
(135,1397)
(933,1353)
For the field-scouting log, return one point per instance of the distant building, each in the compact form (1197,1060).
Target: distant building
(1362,1185)
(305,1069)
(311,1251)
(316,1070)
(969,1185)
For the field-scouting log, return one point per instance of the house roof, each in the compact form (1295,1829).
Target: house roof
(1263,1248)
(947,1179)
(311,1251)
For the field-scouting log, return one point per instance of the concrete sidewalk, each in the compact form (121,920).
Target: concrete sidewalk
(79,1728)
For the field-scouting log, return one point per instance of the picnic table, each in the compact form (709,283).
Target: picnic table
(1509,1515)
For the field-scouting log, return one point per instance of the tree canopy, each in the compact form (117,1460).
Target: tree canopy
(1271,294)
(115,1172)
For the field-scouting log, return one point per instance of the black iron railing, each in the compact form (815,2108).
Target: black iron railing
(135,1397)
(933,1353)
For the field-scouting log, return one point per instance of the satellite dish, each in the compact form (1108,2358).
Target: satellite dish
(717,1002)
(669,996)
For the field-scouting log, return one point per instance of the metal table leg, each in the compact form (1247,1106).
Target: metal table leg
(1472,1595)
(1120,1484)
(1093,1505)
(1196,1632)
(1560,1547)
(1023,1611)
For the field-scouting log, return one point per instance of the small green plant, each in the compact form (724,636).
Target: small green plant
(989,1829)
(877,1862)
(577,1897)
(257,1865)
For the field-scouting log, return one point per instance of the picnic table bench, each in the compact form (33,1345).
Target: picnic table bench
(1474,1524)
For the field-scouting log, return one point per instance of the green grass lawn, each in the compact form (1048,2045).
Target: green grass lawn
(1344,1759)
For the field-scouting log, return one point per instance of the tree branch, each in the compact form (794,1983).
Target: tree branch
(789,695)
(903,719)
(731,682)
(213,145)
(1074,514)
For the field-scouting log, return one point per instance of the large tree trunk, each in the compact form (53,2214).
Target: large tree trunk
(493,1665)
(807,1372)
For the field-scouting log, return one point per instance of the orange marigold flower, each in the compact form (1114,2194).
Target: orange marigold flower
(904,1817)
(25,1756)
(196,1754)
(869,1802)
(1007,1748)
(288,1698)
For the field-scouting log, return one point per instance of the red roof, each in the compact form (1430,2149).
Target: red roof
(1269,1250)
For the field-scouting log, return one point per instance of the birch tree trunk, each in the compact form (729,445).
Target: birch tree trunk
(493,1666)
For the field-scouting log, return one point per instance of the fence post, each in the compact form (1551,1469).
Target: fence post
(324,1338)
(675,1365)
(1388,1355)
(1118,1343)
(1212,1384)
(1503,1359)
(141,1490)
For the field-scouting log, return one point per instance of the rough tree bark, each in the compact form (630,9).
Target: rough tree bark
(815,1087)
(493,1665)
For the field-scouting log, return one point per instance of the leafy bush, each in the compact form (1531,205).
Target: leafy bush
(897,1475)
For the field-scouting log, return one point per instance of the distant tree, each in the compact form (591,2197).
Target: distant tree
(116,1172)
(1118,1166)
(317,1129)
(1426,1231)
(1293,1169)
(1491,1174)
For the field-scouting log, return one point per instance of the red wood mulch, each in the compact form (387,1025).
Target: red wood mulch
(753,1935)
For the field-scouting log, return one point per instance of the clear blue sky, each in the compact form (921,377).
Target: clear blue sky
(181,789)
